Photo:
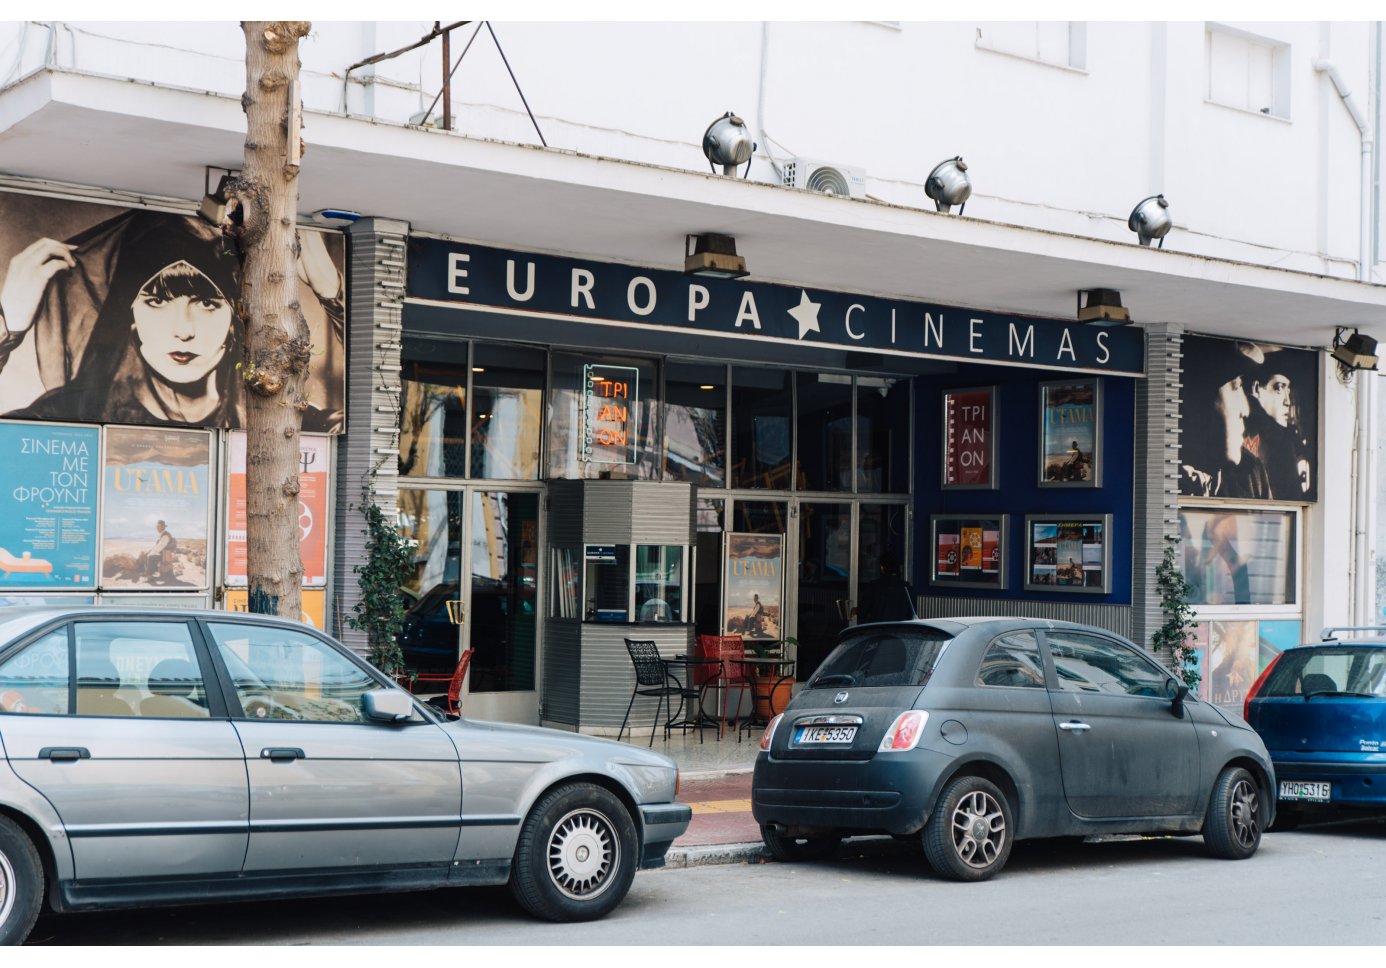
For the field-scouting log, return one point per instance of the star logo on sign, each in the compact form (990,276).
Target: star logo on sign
(806,313)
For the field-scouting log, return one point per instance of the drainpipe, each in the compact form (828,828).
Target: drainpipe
(1364,492)
(760,102)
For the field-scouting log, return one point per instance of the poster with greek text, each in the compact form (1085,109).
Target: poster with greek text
(754,585)
(1068,554)
(969,439)
(313,482)
(1070,433)
(156,509)
(49,488)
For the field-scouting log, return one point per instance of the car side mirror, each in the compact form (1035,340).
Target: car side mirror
(387,705)
(1176,704)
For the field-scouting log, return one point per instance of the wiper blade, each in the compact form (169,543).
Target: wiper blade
(836,679)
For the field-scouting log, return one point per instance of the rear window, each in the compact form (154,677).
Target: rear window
(1328,669)
(883,657)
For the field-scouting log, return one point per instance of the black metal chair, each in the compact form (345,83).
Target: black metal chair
(652,678)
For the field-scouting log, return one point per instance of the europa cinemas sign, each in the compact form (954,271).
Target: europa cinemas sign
(620,295)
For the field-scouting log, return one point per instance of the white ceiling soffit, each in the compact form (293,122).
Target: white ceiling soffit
(137,137)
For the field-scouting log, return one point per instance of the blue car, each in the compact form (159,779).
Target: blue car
(1321,710)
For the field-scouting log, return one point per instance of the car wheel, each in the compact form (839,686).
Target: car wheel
(1232,829)
(577,855)
(968,836)
(21,884)
(789,849)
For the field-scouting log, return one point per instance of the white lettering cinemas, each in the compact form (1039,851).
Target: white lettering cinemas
(582,287)
(641,282)
(1066,346)
(748,310)
(848,321)
(698,298)
(935,331)
(456,273)
(528,294)
(1022,347)
(973,336)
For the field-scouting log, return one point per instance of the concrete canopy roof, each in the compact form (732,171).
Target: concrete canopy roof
(141,138)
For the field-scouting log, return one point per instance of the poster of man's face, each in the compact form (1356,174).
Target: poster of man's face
(1250,421)
(122,315)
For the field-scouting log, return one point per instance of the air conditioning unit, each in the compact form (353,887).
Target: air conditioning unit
(818,176)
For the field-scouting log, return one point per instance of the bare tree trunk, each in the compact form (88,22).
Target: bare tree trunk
(265,203)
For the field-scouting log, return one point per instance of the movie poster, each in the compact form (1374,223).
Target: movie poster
(156,509)
(754,585)
(1250,421)
(120,315)
(48,487)
(1231,654)
(313,611)
(1068,554)
(314,483)
(967,551)
(969,441)
(1070,441)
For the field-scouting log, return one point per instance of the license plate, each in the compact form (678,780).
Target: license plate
(826,734)
(1294,790)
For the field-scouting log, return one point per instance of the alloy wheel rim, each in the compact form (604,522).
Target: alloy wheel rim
(1243,808)
(583,852)
(6,888)
(979,829)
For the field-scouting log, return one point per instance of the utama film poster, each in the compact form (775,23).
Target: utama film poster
(48,487)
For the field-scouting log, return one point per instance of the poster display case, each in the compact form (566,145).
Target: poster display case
(969,550)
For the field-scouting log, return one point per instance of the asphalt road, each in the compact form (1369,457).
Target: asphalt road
(1322,885)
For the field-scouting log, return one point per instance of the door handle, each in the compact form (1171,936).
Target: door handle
(1075,727)
(278,753)
(64,754)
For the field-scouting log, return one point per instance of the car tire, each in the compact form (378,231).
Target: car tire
(969,834)
(576,856)
(1232,828)
(790,849)
(21,883)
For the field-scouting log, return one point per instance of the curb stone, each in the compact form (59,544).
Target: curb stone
(704,856)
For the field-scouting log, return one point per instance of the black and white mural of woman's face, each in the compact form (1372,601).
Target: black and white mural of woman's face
(183,329)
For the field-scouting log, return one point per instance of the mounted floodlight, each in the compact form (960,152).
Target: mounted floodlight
(1356,352)
(1103,306)
(948,185)
(713,256)
(213,206)
(1150,220)
(727,142)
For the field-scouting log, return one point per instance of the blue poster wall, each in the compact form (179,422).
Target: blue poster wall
(49,487)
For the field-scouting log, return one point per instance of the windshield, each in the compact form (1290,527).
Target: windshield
(883,657)
(1329,670)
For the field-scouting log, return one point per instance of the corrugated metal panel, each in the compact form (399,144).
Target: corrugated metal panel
(375,290)
(663,513)
(606,511)
(608,676)
(1156,497)
(1113,618)
(561,700)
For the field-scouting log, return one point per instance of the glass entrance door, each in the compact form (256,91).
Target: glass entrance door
(824,579)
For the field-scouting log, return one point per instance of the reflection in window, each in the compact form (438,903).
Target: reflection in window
(35,680)
(695,424)
(1087,663)
(1012,659)
(883,435)
(507,411)
(658,583)
(505,566)
(280,674)
(433,409)
(1238,557)
(138,669)
(430,522)
(761,439)
(607,584)
(825,431)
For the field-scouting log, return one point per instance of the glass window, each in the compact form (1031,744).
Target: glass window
(889,657)
(567,583)
(1090,663)
(1325,668)
(565,421)
(1012,659)
(883,435)
(1062,43)
(1248,72)
(433,409)
(607,584)
(36,680)
(659,583)
(695,424)
(138,669)
(507,411)
(1238,557)
(504,567)
(761,438)
(825,431)
(431,524)
(761,517)
(280,674)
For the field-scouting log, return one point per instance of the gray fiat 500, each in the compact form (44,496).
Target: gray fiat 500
(974,733)
(173,757)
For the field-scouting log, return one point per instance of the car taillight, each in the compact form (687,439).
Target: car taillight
(677,779)
(904,733)
(1256,687)
(769,733)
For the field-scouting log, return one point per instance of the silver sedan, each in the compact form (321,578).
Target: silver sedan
(172,757)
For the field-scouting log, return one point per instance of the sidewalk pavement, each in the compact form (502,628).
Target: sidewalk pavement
(722,830)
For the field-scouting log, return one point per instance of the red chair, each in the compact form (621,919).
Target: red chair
(733,674)
(452,704)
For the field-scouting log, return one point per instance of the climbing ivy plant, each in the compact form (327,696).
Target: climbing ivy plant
(1175,636)
(387,567)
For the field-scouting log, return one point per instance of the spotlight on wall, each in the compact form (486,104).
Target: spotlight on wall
(713,256)
(948,185)
(1150,220)
(1354,351)
(1101,306)
(213,207)
(727,142)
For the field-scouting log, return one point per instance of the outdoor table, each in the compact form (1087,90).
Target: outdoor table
(693,715)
